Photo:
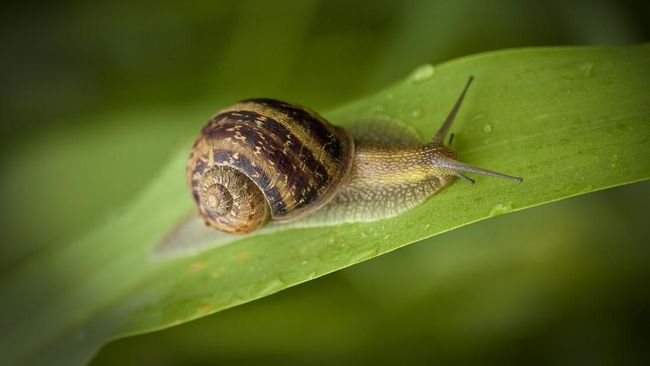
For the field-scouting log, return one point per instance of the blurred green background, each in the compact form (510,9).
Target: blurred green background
(98,95)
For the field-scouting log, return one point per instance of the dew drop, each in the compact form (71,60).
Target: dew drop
(416,113)
(311,275)
(422,73)
(501,209)
(487,128)
(274,285)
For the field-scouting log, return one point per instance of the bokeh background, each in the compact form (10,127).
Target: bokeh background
(98,95)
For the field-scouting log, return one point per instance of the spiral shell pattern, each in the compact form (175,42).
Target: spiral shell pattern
(294,157)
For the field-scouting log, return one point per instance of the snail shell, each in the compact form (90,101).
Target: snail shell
(264,159)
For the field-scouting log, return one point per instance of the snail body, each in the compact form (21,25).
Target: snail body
(264,159)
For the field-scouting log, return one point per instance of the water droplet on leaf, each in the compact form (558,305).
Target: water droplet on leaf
(501,209)
(487,128)
(422,73)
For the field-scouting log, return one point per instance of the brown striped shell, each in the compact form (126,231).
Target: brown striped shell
(263,159)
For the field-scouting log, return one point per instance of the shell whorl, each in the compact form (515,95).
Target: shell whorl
(229,201)
(293,156)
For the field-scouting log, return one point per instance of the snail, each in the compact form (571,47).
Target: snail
(263,160)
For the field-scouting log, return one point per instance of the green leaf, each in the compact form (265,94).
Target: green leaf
(569,120)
